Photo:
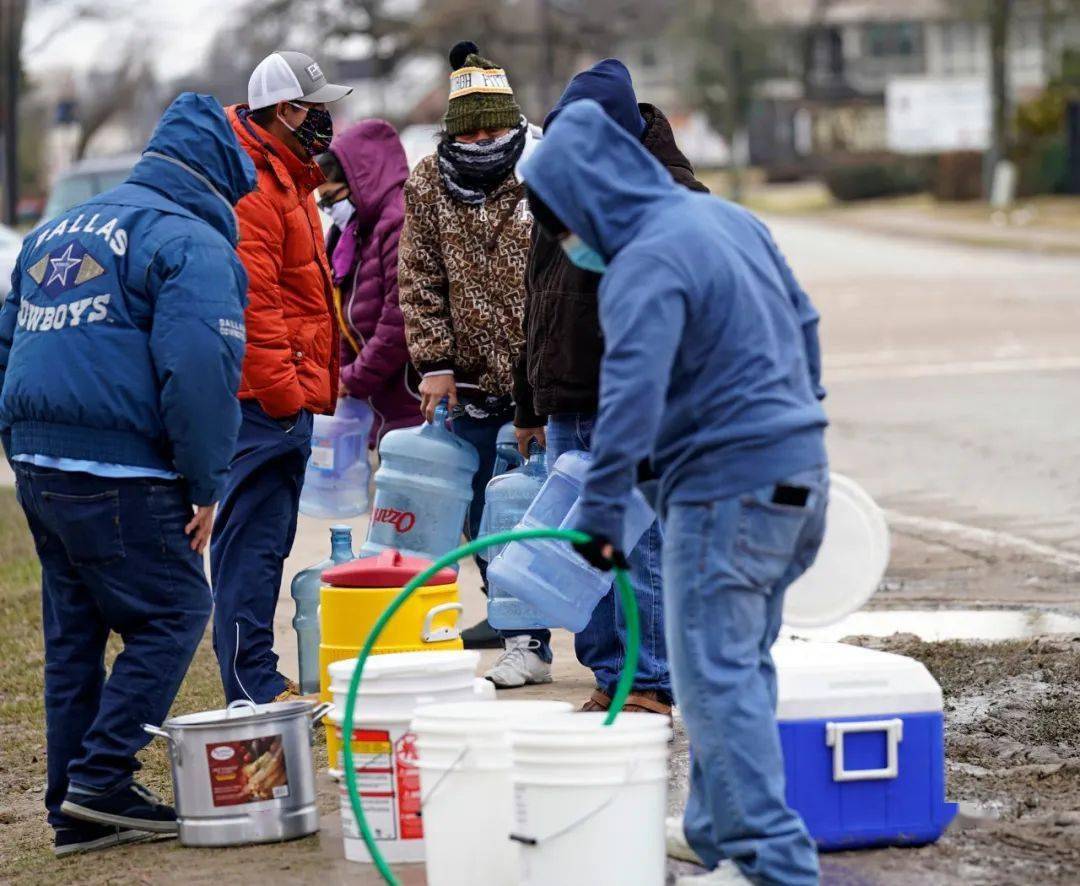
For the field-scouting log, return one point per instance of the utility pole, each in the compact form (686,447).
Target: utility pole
(1000,22)
(11,20)
(547,56)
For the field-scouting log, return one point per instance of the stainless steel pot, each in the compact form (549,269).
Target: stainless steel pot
(244,774)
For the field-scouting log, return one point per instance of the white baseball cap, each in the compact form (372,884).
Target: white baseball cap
(285,76)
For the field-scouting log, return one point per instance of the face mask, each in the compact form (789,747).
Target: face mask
(315,132)
(340,213)
(585,257)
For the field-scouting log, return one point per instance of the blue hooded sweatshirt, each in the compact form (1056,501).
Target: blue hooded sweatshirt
(122,338)
(711,363)
(607,83)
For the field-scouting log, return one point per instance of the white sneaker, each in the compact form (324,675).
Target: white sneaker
(519,665)
(726,874)
(677,845)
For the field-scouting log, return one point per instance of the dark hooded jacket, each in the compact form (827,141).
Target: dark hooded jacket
(559,370)
(712,365)
(364,258)
(123,334)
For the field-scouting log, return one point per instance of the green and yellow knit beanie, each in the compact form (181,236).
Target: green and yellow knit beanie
(480,93)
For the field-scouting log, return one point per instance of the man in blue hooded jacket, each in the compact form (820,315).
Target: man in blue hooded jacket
(711,374)
(120,351)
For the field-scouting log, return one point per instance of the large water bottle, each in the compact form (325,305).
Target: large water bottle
(508,497)
(422,490)
(507,454)
(549,575)
(336,480)
(305,588)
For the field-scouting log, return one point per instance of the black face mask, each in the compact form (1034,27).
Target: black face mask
(316,132)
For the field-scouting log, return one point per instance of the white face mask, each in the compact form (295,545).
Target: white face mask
(341,212)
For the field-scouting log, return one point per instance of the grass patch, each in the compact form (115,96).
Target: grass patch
(26,851)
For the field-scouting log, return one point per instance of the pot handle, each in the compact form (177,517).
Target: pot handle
(234,706)
(158,732)
(320,711)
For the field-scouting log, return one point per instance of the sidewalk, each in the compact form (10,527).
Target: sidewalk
(1023,229)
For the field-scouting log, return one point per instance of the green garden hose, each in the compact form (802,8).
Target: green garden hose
(622,690)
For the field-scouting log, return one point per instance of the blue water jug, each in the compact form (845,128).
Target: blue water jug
(305,591)
(337,475)
(507,454)
(549,575)
(422,490)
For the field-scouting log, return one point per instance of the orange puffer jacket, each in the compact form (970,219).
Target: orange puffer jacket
(291,359)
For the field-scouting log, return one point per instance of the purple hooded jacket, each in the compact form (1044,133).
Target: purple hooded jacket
(364,258)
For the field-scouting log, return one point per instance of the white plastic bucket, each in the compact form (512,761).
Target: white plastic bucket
(590,799)
(466,782)
(384,748)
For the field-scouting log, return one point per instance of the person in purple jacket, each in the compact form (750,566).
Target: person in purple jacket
(366,170)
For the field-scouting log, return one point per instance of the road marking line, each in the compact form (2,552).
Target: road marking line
(933,370)
(986,537)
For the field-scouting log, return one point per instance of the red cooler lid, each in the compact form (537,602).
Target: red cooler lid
(390,569)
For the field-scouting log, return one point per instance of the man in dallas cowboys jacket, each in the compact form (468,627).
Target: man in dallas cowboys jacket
(120,350)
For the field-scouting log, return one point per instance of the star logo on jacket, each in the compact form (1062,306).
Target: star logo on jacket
(65,269)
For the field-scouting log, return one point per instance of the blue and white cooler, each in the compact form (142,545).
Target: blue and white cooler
(862,731)
(863,739)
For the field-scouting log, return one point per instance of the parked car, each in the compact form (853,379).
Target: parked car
(85,179)
(10,244)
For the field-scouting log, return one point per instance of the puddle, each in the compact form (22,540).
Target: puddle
(947,624)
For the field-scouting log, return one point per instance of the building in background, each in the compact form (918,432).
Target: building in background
(841,62)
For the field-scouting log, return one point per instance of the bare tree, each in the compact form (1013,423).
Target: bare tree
(113,92)
(542,42)
(730,48)
(13,14)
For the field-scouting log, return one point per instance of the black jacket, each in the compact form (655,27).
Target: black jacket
(559,370)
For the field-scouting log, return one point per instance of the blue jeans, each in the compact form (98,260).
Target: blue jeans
(727,565)
(114,558)
(601,647)
(482,433)
(253,535)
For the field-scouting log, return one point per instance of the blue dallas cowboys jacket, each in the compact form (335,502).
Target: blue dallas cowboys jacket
(122,338)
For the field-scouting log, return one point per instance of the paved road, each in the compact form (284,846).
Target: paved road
(954,376)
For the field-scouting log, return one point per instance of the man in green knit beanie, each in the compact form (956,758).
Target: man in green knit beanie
(461,284)
(480,95)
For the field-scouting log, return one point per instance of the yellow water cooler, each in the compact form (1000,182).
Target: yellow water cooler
(355,594)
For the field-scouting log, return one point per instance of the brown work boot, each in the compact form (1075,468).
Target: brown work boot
(598,701)
(292,692)
(639,701)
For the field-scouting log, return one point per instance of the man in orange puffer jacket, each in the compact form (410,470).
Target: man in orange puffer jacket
(290,366)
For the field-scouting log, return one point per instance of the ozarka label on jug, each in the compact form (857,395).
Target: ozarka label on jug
(422,490)
(401,521)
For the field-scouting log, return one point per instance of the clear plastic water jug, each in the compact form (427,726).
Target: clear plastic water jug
(549,575)
(305,591)
(507,454)
(422,490)
(508,497)
(336,480)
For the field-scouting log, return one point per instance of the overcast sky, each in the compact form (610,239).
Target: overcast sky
(177,33)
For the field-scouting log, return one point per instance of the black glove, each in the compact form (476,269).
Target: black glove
(592,552)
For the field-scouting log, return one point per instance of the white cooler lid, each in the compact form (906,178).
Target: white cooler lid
(821,680)
(850,564)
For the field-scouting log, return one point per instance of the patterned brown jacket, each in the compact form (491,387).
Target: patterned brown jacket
(461,279)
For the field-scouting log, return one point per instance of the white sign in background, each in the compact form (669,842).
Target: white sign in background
(933,114)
